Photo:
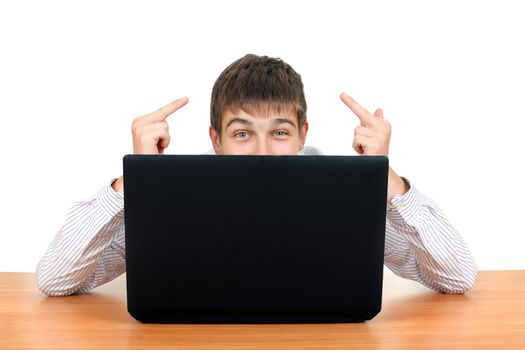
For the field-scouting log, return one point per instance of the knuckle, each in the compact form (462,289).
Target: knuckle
(143,138)
(135,124)
(137,131)
(136,120)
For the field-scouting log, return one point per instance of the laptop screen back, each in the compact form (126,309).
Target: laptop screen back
(254,239)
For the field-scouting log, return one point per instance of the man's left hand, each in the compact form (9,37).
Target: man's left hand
(372,138)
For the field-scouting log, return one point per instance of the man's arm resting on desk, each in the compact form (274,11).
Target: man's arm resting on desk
(422,245)
(89,249)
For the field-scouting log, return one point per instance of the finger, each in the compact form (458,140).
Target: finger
(363,115)
(153,128)
(357,145)
(148,141)
(162,113)
(379,113)
(152,133)
(163,144)
(363,131)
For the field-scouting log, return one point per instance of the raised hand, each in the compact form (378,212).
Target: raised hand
(372,136)
(150,132)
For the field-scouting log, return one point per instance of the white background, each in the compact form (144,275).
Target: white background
(449,75)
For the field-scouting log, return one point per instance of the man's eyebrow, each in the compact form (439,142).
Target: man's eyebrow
(283,121)
(238,120)
(275,121)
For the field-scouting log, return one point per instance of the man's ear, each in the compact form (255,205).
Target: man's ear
(302,135)
(215,140)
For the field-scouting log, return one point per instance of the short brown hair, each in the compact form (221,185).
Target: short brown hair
(258,84)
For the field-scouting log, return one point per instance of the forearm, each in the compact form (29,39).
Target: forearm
(87,251)
(422,245)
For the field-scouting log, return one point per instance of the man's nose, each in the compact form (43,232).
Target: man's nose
(262,148)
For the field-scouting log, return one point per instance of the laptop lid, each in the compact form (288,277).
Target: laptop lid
(254,239)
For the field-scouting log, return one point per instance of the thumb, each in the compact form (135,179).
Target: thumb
(378,113)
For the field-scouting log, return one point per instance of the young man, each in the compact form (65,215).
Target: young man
(258,108)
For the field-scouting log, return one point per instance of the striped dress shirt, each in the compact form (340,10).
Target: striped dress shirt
(89,249)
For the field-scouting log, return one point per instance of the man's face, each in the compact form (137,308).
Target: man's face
(245,134)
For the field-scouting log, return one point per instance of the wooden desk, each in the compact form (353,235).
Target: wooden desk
(490,316)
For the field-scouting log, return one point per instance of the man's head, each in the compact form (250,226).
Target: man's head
(258,107)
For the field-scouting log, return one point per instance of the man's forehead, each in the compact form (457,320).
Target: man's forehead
(240,116)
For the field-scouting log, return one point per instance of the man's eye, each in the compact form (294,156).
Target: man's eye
(241,134)
(281,133)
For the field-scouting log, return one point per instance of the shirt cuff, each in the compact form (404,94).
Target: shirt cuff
(111,201)
(406,206)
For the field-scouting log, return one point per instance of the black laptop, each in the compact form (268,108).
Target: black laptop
(254,239)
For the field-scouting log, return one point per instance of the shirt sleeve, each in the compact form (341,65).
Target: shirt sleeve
(89,249)
(422,245)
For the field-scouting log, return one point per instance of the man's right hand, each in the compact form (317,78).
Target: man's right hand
(151,133)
